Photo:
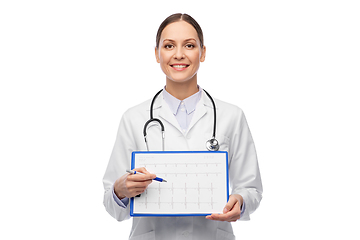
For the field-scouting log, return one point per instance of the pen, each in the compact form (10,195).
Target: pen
(156,179)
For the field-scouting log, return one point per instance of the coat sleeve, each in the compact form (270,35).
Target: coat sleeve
(244,171)
(120,160)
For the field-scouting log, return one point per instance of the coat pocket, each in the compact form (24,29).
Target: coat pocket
(145,236)
(224,143)
(223,235)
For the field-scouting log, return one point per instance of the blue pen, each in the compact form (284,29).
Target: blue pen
(156,179)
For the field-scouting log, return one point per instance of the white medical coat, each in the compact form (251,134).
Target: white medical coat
(234,136)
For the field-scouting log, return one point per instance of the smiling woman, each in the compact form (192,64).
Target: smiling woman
(179,53)
(187,114)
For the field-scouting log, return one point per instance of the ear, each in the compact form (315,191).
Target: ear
(203,54)
(157,54)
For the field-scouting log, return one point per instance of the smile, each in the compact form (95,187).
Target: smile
(179,67)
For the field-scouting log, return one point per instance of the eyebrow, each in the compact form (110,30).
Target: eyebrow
(171,40)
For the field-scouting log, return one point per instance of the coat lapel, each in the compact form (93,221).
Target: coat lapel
(165,113)
(204,105)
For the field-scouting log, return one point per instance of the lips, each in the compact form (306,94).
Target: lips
(179,67)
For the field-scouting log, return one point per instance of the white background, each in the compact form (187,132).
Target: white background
(69,70)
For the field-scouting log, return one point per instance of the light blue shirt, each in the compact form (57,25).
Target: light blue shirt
(183,111)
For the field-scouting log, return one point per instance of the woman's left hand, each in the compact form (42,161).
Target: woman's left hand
(231,212)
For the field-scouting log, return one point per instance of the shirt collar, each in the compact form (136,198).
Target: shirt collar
(189,103)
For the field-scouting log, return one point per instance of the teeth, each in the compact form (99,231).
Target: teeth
(179,66)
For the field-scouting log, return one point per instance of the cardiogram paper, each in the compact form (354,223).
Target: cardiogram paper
(197,183)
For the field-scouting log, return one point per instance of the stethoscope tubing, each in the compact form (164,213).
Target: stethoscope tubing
(213,103)
(211,145)
(156,120)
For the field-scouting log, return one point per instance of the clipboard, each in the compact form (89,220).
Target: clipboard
(197,183)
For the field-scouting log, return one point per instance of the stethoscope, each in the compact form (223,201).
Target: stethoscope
(212,144)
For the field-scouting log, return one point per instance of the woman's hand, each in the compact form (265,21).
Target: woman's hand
(231,212)
(130,185)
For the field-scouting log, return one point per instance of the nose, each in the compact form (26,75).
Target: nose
(179,54)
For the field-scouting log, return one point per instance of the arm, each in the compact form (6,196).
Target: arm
(244,175)
(244,172)
(119,161)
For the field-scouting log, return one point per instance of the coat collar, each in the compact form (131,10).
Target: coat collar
(164,113)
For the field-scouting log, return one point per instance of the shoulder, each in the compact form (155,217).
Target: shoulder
(229,114)
(138,110)
(228,108)
(231,118)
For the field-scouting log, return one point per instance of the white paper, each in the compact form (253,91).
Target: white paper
(196,183)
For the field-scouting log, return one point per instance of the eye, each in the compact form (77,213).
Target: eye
(190,46)
(168,46)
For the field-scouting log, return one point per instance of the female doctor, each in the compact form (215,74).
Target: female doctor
(188,118)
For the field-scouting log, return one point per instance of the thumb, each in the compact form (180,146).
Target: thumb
(230,204)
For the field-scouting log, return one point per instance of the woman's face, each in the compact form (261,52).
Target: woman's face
(179,52)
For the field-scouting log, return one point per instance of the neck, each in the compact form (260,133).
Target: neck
(182,90)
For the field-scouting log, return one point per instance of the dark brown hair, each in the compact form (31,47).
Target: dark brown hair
(176,18)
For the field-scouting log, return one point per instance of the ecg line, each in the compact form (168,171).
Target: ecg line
(182,163)
(172,188)
(172,203)
(186,173)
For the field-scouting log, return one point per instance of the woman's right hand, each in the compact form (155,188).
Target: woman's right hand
(130,185)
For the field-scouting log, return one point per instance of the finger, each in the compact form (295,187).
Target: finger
(230,204)
(228,216)
(209,217)
(222,218)
(135,193)
(137,184)
(143,170)
(232,215)
(141,177)
(145,173)
(219,217)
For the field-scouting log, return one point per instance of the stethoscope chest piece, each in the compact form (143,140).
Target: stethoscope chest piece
(212,145)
